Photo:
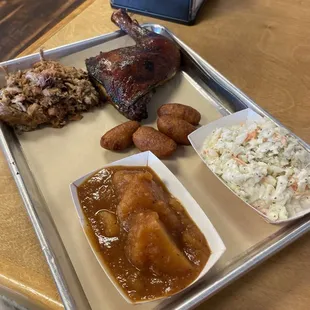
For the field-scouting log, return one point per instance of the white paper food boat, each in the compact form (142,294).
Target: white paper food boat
(198,137)
(176,189)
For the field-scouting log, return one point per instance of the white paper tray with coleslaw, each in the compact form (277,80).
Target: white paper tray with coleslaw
(260,162)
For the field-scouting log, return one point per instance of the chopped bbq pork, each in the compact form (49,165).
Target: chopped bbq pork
(47,94)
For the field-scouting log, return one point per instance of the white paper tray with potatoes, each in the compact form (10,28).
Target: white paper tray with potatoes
(148,159)
(46,161)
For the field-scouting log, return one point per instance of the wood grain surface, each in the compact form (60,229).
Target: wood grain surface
(263,47)
(22,22)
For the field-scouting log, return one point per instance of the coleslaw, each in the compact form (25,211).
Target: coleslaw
(263,164)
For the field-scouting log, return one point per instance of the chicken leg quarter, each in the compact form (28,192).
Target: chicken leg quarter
(127,76)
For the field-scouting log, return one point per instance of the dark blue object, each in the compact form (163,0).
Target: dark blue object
(182,11)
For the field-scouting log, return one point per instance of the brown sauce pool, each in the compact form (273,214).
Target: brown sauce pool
(143,234)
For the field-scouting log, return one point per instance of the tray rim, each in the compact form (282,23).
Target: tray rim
(238,267)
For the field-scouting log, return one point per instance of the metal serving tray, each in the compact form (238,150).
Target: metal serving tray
(44,162)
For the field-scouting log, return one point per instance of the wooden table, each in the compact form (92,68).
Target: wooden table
(263,47)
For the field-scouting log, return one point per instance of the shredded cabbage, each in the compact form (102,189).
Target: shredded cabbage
(264,165)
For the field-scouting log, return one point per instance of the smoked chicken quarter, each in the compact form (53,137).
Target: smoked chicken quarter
(127,76)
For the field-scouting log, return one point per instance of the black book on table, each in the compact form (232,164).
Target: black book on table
(181,11)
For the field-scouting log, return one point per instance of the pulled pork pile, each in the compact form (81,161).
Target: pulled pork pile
(47,94)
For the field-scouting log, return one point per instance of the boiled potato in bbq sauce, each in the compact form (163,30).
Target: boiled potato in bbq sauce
(145,236)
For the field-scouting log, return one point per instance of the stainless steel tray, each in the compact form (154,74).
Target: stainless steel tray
(219,93)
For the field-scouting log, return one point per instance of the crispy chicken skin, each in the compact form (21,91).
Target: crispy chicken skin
(127,76)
